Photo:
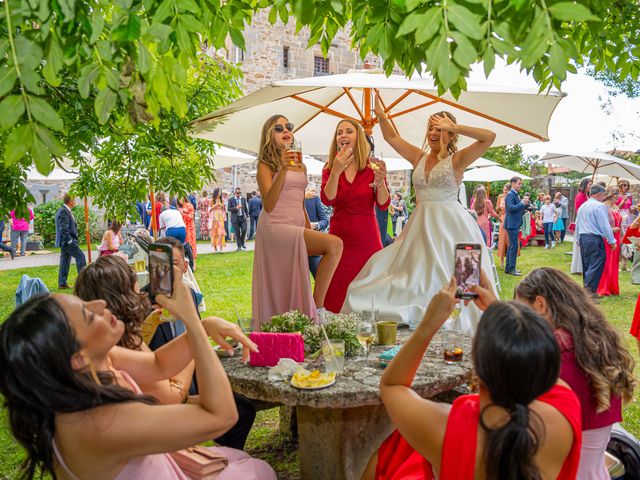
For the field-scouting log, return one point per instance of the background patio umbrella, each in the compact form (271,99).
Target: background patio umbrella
(594,162)
(228,157)
(315,105)
(492,173)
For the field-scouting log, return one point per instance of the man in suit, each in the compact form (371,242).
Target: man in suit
(67,240)
(255,207)
(239,216)
(318,221)
(512,222)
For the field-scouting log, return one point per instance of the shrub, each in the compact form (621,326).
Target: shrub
(44,222)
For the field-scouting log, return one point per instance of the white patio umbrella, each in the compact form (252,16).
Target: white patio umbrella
(594,163)
(492,173)
(612,181)
(315,105)
(228,157)
(483,162)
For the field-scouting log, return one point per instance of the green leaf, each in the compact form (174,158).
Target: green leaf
(237,38)
(160,31)
(571,11)
(31,80)
(29,53)
(51,142)
(8,77)
(557,61)
(448,73)
(68,9)
(45,114)
(273,15)
(489,61)
(41,156)
(12,108)
(431,21)
(55,59)
(87,75)
(97,25)
(412,4)
(105,102)
(144,59)
(184,40)
(190,6)
(129,31)
(465,21)
(410,23)
(164,10)
(465,53)
(191,24)
(18,144)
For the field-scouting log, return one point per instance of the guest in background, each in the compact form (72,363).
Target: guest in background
(347,187)
(160,201)
(172,224)
(592,227)
(539,201)
(632,232)
(513,221)
(188,216)
(484,208)
(193,200)
(4,247)
(20,231)
(217,217)
(601,381)
(564,204)
(558,226)
(581,197)
(141,208)
(627,209)
(204,207)
(255,207)
(317,220)
(609,282)
(503,238)
(67,240)
(399,213)
(227,222)
(111,239)
(239,217)
(549,215)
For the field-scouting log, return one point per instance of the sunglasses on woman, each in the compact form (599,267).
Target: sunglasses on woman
(624,185)
(280,127)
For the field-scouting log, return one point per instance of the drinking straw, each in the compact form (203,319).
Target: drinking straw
(327,339)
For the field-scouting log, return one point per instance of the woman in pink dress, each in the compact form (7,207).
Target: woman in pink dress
(80,415)
(628,212)
(484,208)
(188,215)
(609,282)
(204,204)
(217,216)
(285,240)
(581,197)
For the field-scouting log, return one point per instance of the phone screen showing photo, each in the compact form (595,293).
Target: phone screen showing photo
(160,270)
(467,269)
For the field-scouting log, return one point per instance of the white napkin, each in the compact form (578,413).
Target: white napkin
(284,370)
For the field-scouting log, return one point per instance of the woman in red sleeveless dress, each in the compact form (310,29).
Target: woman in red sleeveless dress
(523,421)
(609,282)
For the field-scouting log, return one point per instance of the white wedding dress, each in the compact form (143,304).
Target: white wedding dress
(403,277)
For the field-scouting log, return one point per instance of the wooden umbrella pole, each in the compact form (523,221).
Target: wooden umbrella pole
(367,118)
(87,231)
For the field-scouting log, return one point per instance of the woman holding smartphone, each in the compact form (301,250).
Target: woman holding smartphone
(75,405)
(285,239)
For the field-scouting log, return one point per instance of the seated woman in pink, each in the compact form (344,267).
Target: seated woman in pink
(601,381)
(111,239)
(74,402)
(524,423)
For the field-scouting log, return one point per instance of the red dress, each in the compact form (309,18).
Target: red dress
(398,460)
(609,284)
(635,326)
(188,215)
(354,221)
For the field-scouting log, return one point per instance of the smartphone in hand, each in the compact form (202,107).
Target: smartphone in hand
(467,269)
(160,270)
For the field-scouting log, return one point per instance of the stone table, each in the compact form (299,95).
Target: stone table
(340,426)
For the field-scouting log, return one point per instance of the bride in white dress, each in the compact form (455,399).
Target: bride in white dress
(402,278)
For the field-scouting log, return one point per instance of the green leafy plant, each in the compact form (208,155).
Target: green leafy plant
(338,326)
(44,222)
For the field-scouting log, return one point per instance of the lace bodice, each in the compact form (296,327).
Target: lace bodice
(442,185)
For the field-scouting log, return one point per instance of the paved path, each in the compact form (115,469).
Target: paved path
(33,260)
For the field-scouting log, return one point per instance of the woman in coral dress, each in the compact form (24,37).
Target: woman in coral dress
(501,210)
(217,215)
(352,189)
(188,215)
(204,204)
(609,282)
(484,208)
(284,242)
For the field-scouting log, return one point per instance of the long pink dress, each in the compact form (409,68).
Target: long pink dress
(280,263)
(162,467)
(484,220)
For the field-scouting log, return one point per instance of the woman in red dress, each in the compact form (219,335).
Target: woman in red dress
(524,420)
(609,284)
(347,187)
(634,231)
(188,214)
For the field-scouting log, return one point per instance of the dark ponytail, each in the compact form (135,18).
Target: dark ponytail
(517,358)
(37,380)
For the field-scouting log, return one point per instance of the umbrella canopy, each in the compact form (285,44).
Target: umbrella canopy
(594,162)
(492,173)
(57,174)
(316,104)
(612,181)
(228,157)
(483,162)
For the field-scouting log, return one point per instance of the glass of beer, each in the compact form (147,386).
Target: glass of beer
(294,152)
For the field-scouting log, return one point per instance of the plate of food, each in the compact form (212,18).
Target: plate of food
(312,380)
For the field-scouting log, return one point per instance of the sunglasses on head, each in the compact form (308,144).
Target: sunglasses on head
(280,127)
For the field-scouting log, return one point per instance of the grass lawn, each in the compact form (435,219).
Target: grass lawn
(226,281)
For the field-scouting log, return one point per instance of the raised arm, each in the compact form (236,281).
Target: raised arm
(421,422)
(465,157)
(401,146)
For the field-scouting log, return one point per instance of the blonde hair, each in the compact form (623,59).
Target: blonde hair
(360,153)
(610,193)
(452,146)
(480,199)
(268,152)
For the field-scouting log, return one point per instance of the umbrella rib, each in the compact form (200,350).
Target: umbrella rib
(412,109)
(323,108)
(480,114)
(353,101)
(397,100)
